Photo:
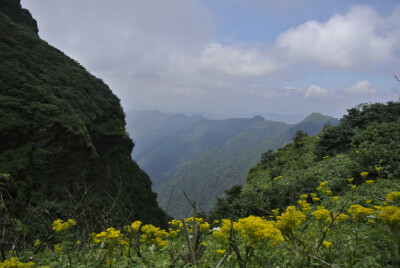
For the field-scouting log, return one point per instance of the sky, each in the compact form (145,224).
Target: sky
(232,57)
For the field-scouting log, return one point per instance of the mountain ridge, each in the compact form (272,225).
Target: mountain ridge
(220,150)
(64,149)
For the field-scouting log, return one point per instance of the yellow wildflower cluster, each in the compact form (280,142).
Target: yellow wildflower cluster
(322,188)
(221,251)
(327,244)
(58,247)
(341,217)
(202,224)
(350,180)
(14,262)
(303,197)
(225,230)
(134,227)
(393,196)
(322,215)
(176,224)
(109,236)
(275,211)
(253,230)
(256,230)
(369,181)
(304,206)
(277,178)
(290,219)
(359,212)
(154,235)
(391,216)
(37,243)
(378,169)
(364,174)
(314,197)
(59,225)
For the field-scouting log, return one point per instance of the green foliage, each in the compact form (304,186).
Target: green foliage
(213,156)
(337,139)
(63,140)
(360,228)
(344,151)
(379,146)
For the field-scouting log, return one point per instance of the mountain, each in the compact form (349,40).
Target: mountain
(147,127)
(64,149)
(209,156)
(357,159)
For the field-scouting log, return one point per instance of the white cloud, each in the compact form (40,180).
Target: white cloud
(361,88)
(315,91)
(167,53)
(358,39)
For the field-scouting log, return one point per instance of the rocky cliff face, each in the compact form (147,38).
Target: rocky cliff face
(64,151)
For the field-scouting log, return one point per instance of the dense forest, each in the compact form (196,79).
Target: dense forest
(64,150)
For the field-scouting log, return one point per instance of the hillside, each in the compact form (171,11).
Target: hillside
(148,127)
(368,137)
(64,150)
(209,156)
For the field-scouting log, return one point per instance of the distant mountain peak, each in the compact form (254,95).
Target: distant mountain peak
(258,118)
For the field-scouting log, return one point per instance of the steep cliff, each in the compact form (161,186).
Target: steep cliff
(64,150)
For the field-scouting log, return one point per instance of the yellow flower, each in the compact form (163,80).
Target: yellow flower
(378,169)
(359,212)
(364,174)
(325,157)
(59,225)
(328,192)
(204,226)
(322,215)
(353,186)
(14,262)
(303,196)
(290,219)
(315,199)
(369,181)
(216,221)
(304,206)
(277,178)
(368,201)
(275,211)
(371,221)
(393,196)
(335,198)
(391,216)
(78,242)
(341,217)
(37,243)
(221,251)
(357,152)
(58,247)
(350,180)
(327,244)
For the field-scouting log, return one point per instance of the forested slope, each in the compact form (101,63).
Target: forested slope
(64,150)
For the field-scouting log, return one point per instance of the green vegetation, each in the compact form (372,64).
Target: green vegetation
(214,155)
(71,196)
(64,151)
